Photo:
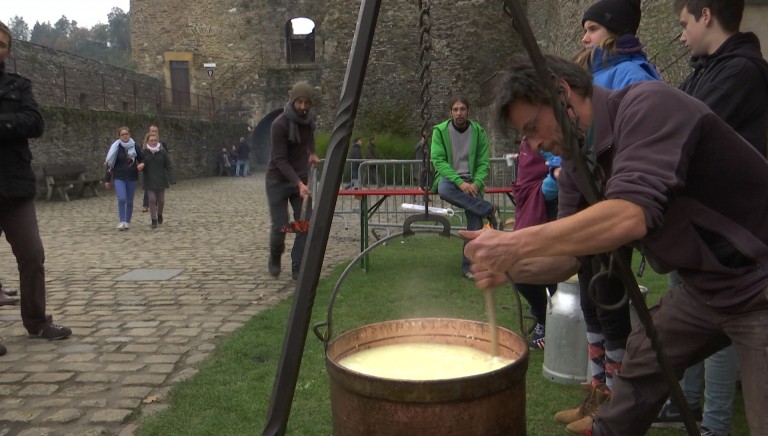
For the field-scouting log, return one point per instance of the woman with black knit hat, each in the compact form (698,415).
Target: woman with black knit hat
(612,52)
(614,56)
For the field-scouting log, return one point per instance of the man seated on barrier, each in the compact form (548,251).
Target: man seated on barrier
(669,187)
(459,153)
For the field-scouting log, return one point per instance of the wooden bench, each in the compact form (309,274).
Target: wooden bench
(63,177)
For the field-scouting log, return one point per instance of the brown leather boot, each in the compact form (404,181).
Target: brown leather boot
(595,396)
(585,423)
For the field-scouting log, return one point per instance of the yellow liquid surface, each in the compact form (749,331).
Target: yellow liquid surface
(423,361)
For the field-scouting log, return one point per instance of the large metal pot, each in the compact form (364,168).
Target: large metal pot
(487,404)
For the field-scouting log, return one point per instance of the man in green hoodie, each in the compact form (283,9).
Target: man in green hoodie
(459,153)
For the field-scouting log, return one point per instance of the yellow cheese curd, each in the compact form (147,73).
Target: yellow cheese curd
(423,361)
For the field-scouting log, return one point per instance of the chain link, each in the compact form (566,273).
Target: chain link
(425,78)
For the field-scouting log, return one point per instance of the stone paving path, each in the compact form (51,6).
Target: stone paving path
(132,339)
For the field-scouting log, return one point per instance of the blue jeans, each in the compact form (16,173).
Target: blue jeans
(475,208)
(125,189)
(244,165)
(715,377)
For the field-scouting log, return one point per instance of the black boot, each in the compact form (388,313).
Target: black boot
(159,218)
(154,223)
(274,264)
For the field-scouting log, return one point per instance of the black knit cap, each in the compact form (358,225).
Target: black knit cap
(618,16)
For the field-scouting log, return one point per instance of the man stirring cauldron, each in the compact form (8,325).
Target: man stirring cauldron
(671,189)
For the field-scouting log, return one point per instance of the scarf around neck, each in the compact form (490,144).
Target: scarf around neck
(294,120)
(156,149)
(130,148)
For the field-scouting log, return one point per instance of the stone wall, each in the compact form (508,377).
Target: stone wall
(85,101)
(246,40)
(62,79)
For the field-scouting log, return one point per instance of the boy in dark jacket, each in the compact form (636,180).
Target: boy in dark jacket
(723,61)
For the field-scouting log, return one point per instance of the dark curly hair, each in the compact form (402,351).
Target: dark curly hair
(521,82)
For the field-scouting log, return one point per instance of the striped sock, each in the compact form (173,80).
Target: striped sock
(613,360)
(596,349)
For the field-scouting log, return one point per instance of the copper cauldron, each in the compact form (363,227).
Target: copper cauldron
(487,404)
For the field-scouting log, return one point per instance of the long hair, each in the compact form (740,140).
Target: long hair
(586,56)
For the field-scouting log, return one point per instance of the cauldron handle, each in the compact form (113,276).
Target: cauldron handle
(325,337)
(425,217)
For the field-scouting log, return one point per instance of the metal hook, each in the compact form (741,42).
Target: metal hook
(608,274)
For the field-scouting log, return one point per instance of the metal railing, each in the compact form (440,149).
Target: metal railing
(405,174)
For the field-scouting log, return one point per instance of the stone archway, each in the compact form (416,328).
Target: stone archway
(261,138)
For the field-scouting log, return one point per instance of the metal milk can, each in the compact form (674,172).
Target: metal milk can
(565,353)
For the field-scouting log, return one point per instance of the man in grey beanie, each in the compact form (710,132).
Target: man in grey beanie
(293,151)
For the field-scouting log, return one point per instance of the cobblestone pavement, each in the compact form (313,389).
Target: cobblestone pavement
(132,339)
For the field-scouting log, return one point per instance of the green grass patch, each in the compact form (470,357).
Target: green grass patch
(413,277)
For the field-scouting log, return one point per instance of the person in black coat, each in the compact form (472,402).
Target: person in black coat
(20,119)
(243,154)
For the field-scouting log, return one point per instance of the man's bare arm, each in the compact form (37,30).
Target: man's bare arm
(599,228)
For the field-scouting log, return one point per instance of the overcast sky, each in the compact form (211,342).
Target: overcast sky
(87,13)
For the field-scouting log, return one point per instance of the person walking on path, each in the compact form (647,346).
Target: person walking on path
(459,152)
(124,161)
(225,165)
(158,175)
(293,151)
(21,120)
(156,131)
(243,154)
(723,60)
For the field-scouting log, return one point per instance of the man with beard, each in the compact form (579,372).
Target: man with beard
(670,188)
(293,150)
(20,119)
(459,153)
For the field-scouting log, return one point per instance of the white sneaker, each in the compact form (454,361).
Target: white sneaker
(126,226)
(121,226)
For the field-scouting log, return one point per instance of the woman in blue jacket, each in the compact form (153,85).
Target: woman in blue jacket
(614,55)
